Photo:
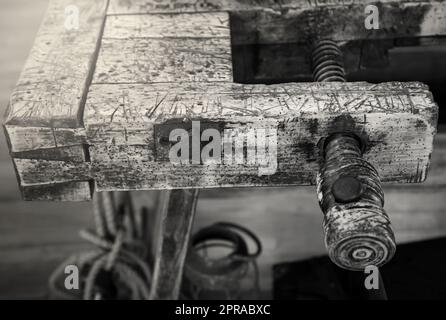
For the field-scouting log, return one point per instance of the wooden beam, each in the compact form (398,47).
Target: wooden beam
(65,191)
(436,178)
(46,106)
(177,212)
(398,120)
(300,21)
(48,170)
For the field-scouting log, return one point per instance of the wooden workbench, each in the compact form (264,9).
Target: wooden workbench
(63,141)
(86,109)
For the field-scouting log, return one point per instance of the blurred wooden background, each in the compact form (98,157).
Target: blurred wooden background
(35,237)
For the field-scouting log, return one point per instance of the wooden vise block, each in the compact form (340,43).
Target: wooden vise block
(96,99)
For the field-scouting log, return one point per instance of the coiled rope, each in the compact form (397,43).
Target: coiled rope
(120,255)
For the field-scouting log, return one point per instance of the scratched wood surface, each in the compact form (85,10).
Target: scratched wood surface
(155,61)
(45,110)
(51,87)
(289,21)
(35,237)
(400,130)
(387,114)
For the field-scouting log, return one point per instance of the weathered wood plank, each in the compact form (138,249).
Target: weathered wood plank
(59,174)
(124,113)
(165,48)
(46,183)
(73,153)
(436,177)
(198,25)
(46,106)
(36,171)
(164,60)
(398,120)
(435,180)
(300,21)
(54,80)
(65,191)
(163,6)
(153,48)
(135,104)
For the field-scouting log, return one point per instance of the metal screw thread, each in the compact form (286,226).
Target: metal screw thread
(357,233)
(328,64)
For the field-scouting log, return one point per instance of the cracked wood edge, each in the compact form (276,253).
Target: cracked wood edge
(267,22)
(48,170)
(44,117)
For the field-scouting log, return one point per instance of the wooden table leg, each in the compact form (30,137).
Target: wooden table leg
(176,215)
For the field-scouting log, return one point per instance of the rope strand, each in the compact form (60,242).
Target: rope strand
(120,253)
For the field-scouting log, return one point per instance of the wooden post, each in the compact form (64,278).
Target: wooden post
(176,212)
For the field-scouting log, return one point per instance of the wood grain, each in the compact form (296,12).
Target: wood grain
(46,106)
(170,63)
(150,6)
(195,25)
(436,178)
(165,48)
(35,237)
(35,171)
(65,191)
(164,60)
(54,80)
(398,120)
(136,104)
(272,22)
(22,139)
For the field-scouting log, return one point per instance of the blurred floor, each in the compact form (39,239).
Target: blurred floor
(35,237)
